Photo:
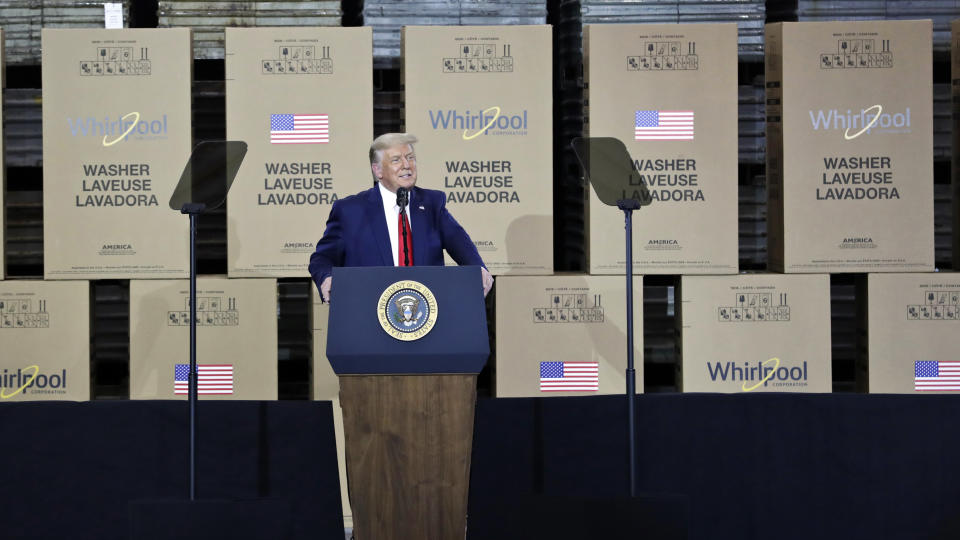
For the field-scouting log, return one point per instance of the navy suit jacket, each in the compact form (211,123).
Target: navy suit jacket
(357,235)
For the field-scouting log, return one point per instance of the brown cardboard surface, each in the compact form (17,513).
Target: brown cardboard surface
(45,339)
(755,333)
(634,72)
(326,386)
(850,149)
(565,318)
(236,325)
(911,318)
(499,181)
(325,382)
(116,136)
(278,205)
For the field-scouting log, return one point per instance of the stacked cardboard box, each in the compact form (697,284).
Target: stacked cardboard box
(236,338)
(478,98)
(326,386)
(304,153)
(645,87)
(45,339)
(565,335)
(755,333)
(910,327)
(849,146)
(116,135)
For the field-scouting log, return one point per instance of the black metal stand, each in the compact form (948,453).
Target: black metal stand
(613,174)
(193,210)
(628,206)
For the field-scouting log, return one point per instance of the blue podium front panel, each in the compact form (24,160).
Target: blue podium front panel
(399,320)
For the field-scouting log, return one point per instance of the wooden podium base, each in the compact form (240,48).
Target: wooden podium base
(408,440)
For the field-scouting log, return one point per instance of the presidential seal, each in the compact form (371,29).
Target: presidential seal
(407,310)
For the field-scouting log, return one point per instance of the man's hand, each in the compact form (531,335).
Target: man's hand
(325,288)
(487,280)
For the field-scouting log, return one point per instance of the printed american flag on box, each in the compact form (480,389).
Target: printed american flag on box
(569,376)
(299,129)
(934,376)
(211,379)
(663,126)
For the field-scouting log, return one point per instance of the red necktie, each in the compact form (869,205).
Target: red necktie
(405,238)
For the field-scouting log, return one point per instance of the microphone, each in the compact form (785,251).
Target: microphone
(402,197)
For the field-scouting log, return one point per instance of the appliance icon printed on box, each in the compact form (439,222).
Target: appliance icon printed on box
(936,306)
(665,56)
(479,58)
(117,61)
(755,307)
(211,311)
(298,60)
(20,313)
(570,308)
(858,54)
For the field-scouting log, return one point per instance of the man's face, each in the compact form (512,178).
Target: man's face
(397,168)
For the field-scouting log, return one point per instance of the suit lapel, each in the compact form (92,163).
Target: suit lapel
(378,224)
(419,222)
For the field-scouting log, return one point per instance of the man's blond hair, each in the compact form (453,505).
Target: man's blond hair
(388,140)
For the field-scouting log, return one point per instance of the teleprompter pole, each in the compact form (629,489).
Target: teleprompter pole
(193,210)
(628,206)
(203,186)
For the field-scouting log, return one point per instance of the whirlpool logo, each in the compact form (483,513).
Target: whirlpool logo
(492,121)
(112,130)
(855,124)
(755,375)
(29,380)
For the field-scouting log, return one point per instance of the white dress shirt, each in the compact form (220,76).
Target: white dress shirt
(390,212)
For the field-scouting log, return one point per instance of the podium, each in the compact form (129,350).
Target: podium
(407,344)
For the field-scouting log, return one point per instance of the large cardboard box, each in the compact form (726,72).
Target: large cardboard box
(236,338)
(116,136)
(45,339)
(669,92)
(755,333)
(911,328)
(302,99)
(565,335)
(850,146)
(479,100)
(326,387)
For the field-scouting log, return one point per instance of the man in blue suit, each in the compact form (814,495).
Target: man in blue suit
(367,229)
